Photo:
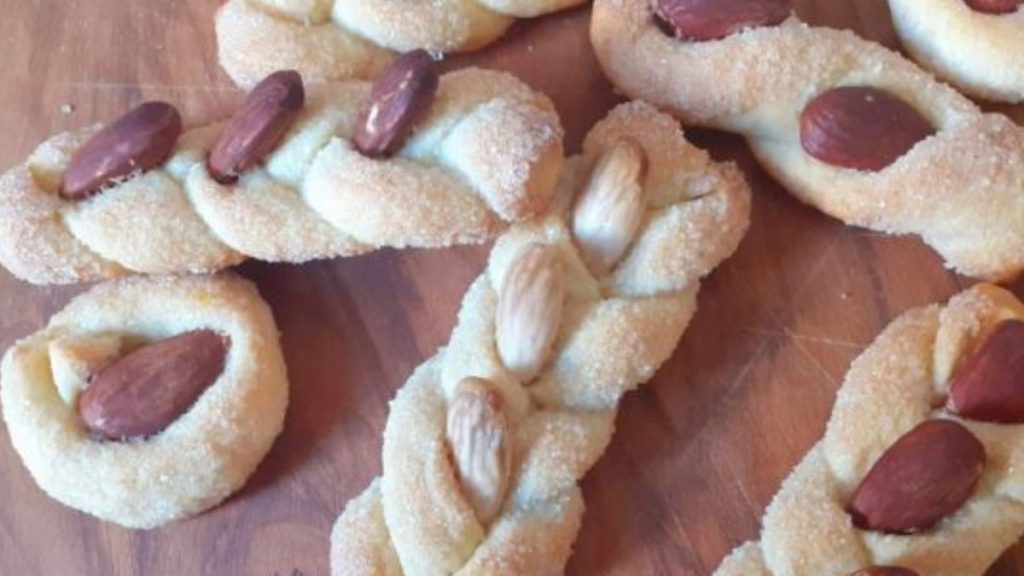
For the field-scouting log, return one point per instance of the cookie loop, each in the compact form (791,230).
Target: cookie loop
(203,455)
(959,188)
(558,396)
(890,394)
(331,40)
(486,152)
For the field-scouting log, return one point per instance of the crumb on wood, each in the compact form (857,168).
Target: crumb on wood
(66,108)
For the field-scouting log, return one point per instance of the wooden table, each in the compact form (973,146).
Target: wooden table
(699,451)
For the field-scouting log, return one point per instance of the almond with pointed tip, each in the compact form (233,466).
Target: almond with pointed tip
(400,96)
(989,385)
(530,310)
(477,432)
(703,20)
(611,206)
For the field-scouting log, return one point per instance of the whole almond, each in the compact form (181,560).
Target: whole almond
(611,206)
(715,19)
(400,96)
(142,393)
(989,385)
(861,127)
(924,477)
(269,111)
(883,571)
(995,6)
(530,310)
(477,432)
(138,141)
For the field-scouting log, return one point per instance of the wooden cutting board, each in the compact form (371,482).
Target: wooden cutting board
(699,451)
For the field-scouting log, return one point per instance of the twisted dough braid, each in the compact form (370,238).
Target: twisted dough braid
(488,152)
(980,53)
(960,189)
(616,329)
(891,388)
(342,39)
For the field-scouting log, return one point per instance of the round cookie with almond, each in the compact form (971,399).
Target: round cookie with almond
(146,401)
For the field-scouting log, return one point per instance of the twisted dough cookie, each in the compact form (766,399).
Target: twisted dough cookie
(981,51)
(486,442)
(488,151)
(960,188)
(898,385)
(330,40)
(196,461)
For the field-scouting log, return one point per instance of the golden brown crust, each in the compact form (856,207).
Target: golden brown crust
(959,189)
(487,153)
(203,456)
(616,329)
(891,388)
(328,40)
(981,54)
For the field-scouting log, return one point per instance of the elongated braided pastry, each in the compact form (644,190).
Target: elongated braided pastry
(486,442)
(330,40)
(921,464)
(486,152)
(978,45)
(845,124)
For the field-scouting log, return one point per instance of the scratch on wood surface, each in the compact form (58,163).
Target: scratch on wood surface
(787,333)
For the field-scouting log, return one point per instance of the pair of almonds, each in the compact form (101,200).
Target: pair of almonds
(145,137)
(143,392)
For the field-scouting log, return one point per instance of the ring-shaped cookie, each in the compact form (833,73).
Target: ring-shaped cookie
(202,457)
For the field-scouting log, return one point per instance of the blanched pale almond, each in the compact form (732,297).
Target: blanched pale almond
(714,19)
(142,393)
(477,432)
(861,127)
(611,206)
(924,477)
(989,385)
(73,359)
(530,310)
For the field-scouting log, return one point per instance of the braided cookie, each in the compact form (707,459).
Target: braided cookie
(847,125)
(328,40)
(978,45)
(486,442)
(922,465)
(285,182)
(148,400)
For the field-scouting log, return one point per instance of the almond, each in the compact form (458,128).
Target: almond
(715,19)
(861,127)
(884,571)
(989,385)
(611,206)
(142,393)
(269,111)
(477,432)
(995,6)
(136,142)
(400,96)
(530,310)
(924,477)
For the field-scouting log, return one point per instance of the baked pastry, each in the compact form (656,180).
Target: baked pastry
(845,124)
(435,163)
(330,40)
(977,45)
(920,467)
(486,442)
(147,400)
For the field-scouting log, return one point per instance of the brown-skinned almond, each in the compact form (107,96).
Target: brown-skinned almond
(861,127)
(989,385)
(884,571)
(145,391)
(921,479)
(995,6)
(715,19)
(136,142)
(399,98)
(269,111)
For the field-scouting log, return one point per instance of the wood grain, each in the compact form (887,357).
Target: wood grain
(699,451)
